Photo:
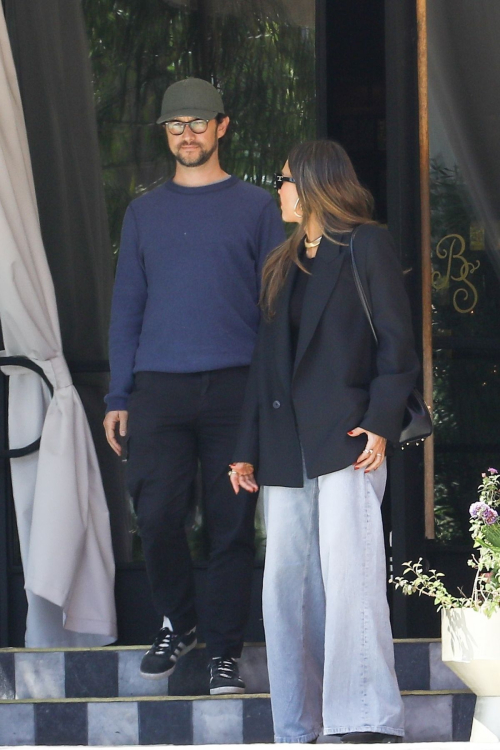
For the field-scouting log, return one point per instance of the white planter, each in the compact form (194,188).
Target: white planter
(471,649)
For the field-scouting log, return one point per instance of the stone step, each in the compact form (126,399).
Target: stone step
(113,672)
(430,716)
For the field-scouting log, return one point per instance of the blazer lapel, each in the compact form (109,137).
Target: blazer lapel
(327,265)
(283,339)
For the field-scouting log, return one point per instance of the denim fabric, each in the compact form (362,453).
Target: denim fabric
(329,642)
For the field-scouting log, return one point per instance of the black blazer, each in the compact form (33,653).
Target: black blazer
(340,380)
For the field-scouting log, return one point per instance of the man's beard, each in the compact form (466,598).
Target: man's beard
(195,159)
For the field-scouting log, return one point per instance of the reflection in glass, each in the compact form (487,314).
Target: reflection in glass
(464,114)
(260,53)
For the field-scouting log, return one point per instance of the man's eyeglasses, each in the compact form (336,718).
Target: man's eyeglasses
(278,180)
(177,127)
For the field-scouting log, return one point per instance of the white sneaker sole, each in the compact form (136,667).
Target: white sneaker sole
(226,690)
(162,675)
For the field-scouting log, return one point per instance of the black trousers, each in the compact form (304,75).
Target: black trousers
(176,420)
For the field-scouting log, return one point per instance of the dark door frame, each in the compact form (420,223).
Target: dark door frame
(403,203)
(4,519)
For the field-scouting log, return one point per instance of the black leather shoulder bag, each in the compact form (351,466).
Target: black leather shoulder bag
(417,422)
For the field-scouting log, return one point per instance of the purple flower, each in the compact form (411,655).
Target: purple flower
(490,516)
(476,508)
(493,471)
(484,512)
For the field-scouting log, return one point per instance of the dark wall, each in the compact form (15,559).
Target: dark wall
(355,88)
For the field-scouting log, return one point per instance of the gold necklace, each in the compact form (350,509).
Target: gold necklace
(313,243)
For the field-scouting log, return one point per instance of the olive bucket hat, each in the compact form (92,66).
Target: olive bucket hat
(191,97)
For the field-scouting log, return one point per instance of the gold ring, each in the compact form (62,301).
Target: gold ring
(231,472)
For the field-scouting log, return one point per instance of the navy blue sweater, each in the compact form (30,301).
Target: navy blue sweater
(188,280)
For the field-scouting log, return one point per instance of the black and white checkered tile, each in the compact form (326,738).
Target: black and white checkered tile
(114,672)
(147,722)
(97,697)
(185,721)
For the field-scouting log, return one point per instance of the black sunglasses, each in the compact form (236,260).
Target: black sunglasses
(278,180)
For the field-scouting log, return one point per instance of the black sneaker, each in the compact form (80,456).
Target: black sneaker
(168,647)
(363,738)
(225,677)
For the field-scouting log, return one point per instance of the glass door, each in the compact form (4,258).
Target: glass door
(459,124)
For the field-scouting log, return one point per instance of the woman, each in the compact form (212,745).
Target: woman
(321,404)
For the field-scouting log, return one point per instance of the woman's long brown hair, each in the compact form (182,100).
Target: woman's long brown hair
(327,187)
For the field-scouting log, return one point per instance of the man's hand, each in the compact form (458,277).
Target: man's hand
(112,419)
(242,475)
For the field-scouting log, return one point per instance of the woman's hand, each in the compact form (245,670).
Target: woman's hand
(374,453)
(242,475)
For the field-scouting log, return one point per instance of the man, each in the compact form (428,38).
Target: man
(183,328)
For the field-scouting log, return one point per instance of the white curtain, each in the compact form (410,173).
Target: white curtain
(61,510)
(464,111)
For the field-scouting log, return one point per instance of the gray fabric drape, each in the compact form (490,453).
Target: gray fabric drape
(62,518)
(464,71)
(52,60)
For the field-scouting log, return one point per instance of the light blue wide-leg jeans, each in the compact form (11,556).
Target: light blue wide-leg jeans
(329,642)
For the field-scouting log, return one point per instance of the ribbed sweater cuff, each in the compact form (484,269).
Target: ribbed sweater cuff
(116,403)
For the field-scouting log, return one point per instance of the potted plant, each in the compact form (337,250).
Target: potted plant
(470,625)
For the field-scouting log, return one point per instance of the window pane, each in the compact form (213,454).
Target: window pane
(261,54)
(464,112)
(467,404)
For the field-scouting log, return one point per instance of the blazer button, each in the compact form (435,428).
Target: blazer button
(276,404)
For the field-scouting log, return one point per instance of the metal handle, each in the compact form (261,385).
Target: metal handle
(29,365)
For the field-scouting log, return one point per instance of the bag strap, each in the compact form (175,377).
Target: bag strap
(359,286)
